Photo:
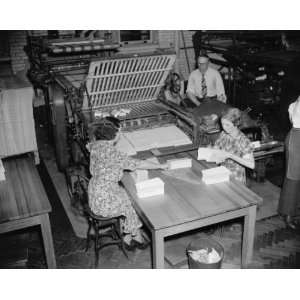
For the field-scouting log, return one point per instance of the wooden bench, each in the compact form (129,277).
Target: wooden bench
(24,203)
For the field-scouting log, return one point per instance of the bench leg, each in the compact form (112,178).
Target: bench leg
(248,236)
(48,242)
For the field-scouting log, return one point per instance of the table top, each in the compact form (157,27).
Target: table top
(189,199)
(22,193)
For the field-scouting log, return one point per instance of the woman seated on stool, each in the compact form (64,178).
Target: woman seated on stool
(289,197)
(106,197)
(237,149)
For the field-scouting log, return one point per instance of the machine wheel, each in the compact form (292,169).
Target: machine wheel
(59,124)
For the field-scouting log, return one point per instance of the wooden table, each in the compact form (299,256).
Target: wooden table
(24,203)
(17,129)
(186,206)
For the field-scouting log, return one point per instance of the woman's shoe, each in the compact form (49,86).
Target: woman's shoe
(141,245)
(290,223)
(130,247)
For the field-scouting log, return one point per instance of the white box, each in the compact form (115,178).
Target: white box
(179,163)
(216,175)
(150,187)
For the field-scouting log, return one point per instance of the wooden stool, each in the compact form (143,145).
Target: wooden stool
(110,227)
(102,226)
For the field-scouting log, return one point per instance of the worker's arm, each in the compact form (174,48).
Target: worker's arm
(220,88)
(193,98)
(147,165)
(191,90)
(247,160)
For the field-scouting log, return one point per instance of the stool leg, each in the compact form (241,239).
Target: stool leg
(88,236)
(120,233)
(97,247)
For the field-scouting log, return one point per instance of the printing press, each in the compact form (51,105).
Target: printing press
(85,79)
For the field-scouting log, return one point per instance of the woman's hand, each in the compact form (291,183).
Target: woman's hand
(220,156)
(164,166)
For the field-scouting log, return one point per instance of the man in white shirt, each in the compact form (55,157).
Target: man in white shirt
(205,82)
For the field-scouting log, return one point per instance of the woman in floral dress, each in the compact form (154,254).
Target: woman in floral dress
(106,196)
(237,149)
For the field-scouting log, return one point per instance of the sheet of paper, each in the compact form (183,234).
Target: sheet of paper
(208,154)
(179,163)
(166,136)
(153,160)
(125,146)
(185,174)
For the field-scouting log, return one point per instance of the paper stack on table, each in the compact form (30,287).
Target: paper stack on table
(150,187)
(166,136)
(216,175)
(208,154)
(256,144)
(140,175)
(2,171)
(179,163)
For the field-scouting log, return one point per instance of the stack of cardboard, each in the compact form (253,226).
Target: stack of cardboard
(216,175)
(150,187)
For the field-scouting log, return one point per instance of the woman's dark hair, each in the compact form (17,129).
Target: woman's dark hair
(233,115)
(106,128)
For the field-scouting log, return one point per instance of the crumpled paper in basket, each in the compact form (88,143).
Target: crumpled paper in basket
(204,256)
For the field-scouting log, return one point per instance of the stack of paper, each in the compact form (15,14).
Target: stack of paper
(2,171)
(140,175)
(256,144)
(179,163)
(150,187)
(160,137)
(208,154)
(216,175)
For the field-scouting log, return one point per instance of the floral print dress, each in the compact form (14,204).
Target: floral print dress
(106,196)
(239,146)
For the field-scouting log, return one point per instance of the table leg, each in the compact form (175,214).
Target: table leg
(158,250)
(248,236)
(48,242)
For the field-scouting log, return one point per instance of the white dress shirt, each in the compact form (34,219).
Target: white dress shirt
(214,84)
(294,112)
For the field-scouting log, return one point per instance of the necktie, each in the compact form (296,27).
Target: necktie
(203,87)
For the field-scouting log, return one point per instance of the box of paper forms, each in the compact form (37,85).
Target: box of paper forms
(216,175)
(150,187)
